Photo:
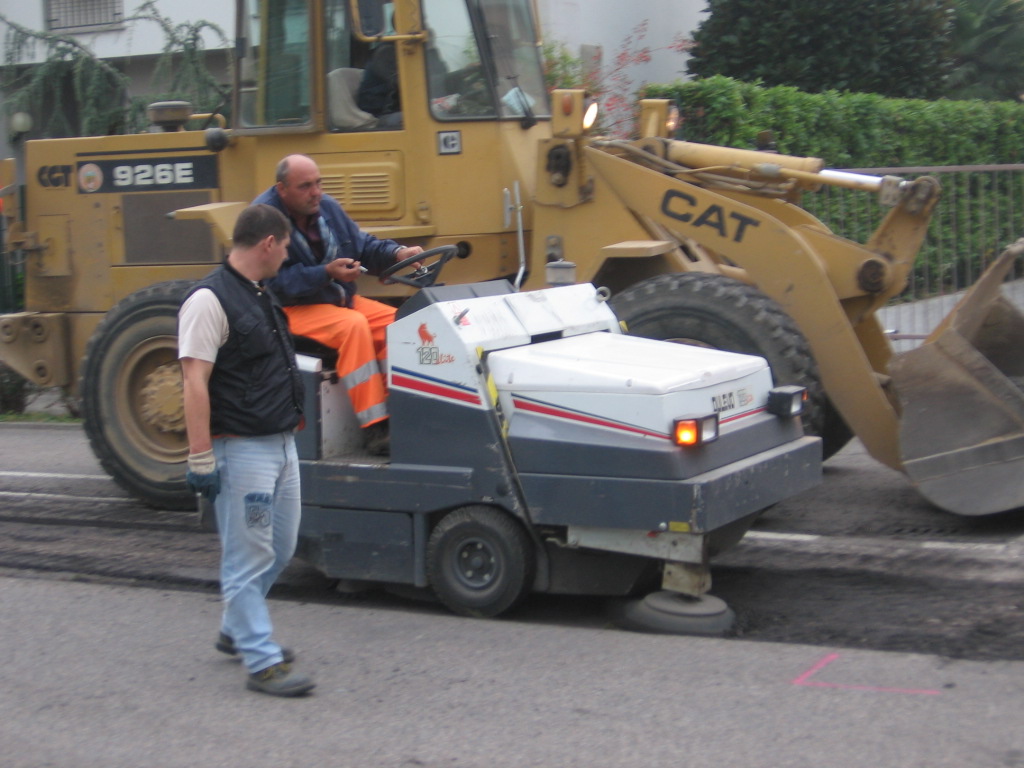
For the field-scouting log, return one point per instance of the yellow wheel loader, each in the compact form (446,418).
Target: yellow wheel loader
(699,244)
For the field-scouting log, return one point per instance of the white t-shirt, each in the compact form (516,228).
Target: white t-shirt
(202,326)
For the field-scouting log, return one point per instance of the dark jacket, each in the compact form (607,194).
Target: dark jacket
(378,88)
(255,387)
(304,280)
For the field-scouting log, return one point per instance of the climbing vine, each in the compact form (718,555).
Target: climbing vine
(78,94)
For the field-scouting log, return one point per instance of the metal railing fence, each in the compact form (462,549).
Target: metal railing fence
(980,212)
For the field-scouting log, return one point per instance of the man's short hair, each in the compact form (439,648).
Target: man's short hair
(283,166)
(281,172)
(256,222)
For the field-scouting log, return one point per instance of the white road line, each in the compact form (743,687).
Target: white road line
(964,545)
(773,536)
(65,497)
(878,545)
(960,546)
(52,476)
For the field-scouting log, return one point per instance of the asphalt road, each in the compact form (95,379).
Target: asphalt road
(859,562)
(871,631)
(100,675)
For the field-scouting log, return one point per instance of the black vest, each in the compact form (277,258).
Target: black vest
(255,387)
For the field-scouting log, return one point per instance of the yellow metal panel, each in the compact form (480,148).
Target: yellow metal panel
(35,345)
(8,171)
(367,184)
(54,258)
(638,248)
(220,216)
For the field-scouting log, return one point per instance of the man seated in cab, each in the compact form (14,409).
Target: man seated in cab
(316,285)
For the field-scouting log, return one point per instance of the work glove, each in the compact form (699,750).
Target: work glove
(203,477)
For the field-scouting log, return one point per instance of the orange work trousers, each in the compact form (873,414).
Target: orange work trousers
(359,334)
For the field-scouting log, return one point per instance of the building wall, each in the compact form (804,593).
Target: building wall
(137,39)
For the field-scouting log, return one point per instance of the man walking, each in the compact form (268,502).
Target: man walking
(243,401)
(328,251)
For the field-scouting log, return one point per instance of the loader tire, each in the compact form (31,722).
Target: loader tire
(716,311)
(132,406)
(480,561)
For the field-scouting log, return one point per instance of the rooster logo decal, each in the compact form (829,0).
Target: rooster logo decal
(429,353)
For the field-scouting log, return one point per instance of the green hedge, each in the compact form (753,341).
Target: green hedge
(979,213)
(849,130)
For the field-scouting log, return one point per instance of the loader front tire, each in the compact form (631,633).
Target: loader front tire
(480,561)
(716,311)
(132,407)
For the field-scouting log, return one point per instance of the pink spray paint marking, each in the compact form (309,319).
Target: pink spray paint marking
(805,680)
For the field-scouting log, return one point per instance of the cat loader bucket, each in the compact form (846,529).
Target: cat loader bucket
(950,415)
(962,425)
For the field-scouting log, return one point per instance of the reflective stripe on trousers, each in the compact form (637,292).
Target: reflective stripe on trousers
(360,337)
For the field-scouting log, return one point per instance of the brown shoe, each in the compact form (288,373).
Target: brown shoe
(377,438)
(279,680)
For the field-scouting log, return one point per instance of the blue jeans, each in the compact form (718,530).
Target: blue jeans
(258,512)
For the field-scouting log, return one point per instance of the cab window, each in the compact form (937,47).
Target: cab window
(274,69)
(482,60)
(457,78)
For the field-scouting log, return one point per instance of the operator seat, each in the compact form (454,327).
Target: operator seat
(342,84)
(307,346)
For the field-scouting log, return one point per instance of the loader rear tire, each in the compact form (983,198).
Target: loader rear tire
(716,311)
(131,396)
(480,561)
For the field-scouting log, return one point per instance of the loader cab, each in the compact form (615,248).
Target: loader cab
(368,65)
(443,163)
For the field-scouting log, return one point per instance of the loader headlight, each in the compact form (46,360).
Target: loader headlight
(787,400)
(659,118)
(672,121)
(590,114)
(695,431)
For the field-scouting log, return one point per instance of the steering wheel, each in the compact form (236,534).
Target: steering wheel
(426,275)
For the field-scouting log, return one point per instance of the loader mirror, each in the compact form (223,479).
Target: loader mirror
(217,139)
